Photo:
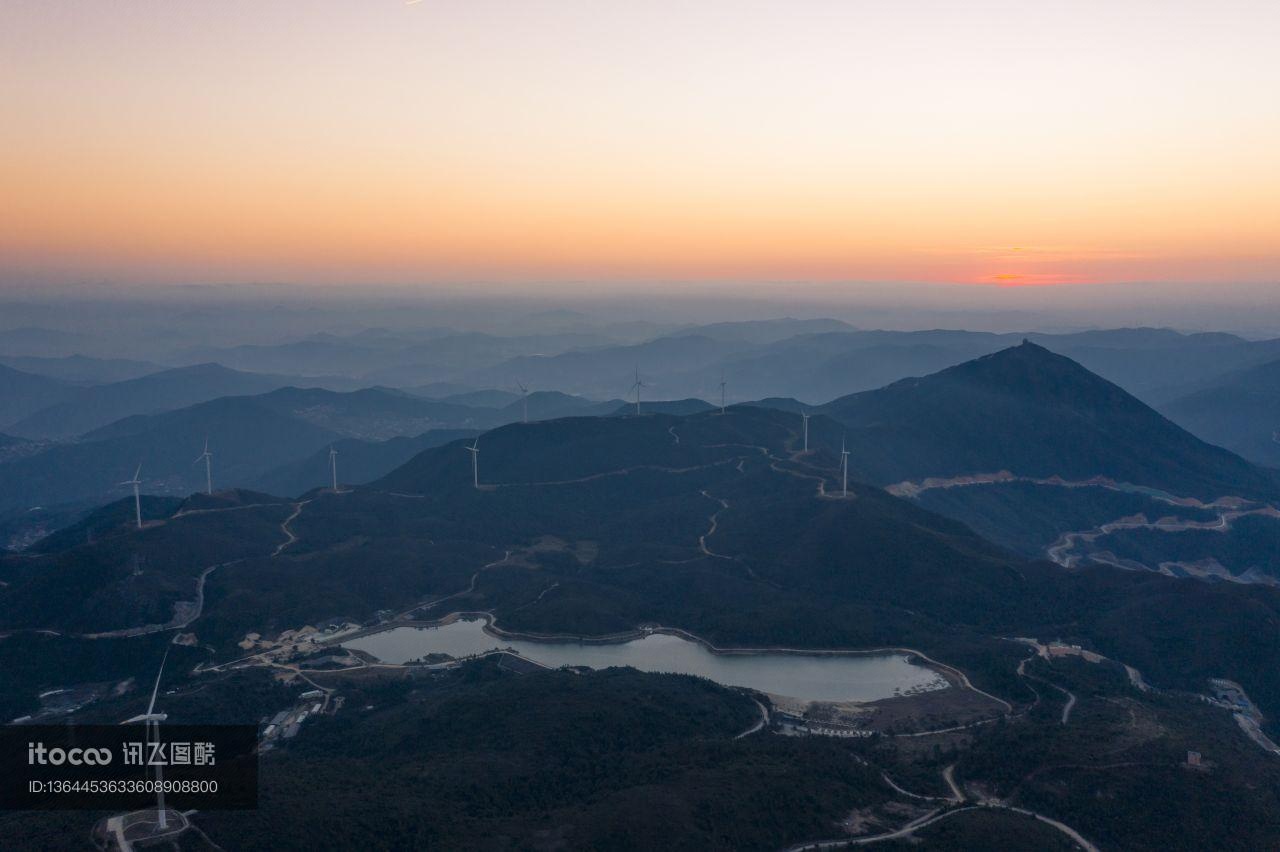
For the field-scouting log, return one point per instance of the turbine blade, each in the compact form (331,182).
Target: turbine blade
(155,689)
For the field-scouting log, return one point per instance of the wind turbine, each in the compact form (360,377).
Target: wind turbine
(206,457)
(152,719)
(333,466)
(844,468)
(805,416)
(474,449)
(137,497)
(636,387)
(524,397)
(722,383)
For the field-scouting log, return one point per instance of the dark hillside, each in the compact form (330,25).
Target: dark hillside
(1034,413)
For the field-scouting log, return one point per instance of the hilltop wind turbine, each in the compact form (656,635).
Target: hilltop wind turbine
(474,449)
(137,497)
(333,466)
(152,719)
(524,397)
(844,469)
(805,416)
(207,458)
(636,387)
(722,383)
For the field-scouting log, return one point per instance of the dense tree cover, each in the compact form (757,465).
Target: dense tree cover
(604,760)
(707,523)
(478,757)
(1117,773)
(111,520)
(127,577)
(31,663)
(245,697)
(783,567)
(984,829)
(52,831)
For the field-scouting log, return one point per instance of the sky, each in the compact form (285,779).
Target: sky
(600,145)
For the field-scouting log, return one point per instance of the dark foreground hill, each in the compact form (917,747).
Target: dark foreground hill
(604,760)
(714,524)
(709,522)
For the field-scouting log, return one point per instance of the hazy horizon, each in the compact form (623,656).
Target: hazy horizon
(265,313)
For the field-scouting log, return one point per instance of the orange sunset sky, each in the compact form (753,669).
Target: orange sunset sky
(327,142)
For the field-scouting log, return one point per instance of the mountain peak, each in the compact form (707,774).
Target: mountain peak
(1036,413)
(1030,372)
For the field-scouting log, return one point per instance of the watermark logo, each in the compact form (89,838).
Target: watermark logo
(42,755)
(125,767)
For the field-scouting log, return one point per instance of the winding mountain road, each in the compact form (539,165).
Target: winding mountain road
(1067,550)
(959,803)
(715,520)
(760,723)
(290,538)
(1060,552)
(949,775)
(185,612)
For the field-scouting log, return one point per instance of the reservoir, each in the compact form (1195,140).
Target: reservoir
(809,677)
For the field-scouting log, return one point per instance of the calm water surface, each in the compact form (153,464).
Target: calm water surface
(853,677)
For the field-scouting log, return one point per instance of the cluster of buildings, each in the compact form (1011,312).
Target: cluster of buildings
(286,724)
(301,640)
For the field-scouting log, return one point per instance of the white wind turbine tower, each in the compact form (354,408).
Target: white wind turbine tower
(207,458)
(805,416)
(524,397)
(137,497)
(636,387)
(474,449)
(333,467)
(722,383)
(844,468)
(152,719)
